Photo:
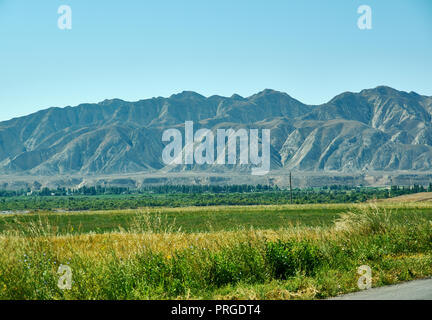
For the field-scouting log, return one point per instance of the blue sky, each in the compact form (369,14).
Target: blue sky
(136,49)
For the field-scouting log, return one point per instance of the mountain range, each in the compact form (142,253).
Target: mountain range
(380,129)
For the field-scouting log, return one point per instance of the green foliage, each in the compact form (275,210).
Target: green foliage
(100,198)
(243,262)
(186,219)
(292,257)
(312,262)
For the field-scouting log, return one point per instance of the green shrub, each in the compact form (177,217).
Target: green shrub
(243,262)
(291,257)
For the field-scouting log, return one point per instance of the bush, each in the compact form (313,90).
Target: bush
(242,262)
(291,257)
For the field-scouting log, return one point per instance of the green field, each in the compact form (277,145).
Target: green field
(189,219)
(223,252)
(193,219)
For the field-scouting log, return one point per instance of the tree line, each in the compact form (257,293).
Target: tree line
(101,198)
(198,189)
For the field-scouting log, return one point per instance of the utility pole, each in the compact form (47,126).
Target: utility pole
(290,181)
(391,184)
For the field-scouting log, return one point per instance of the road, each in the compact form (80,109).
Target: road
(413,290)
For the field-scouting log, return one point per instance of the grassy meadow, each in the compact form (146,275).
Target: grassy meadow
(241,252)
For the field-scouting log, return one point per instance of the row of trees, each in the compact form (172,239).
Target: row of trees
(189,197)
(401,190)
(199,189)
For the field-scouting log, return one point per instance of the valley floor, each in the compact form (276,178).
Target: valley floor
(258,252)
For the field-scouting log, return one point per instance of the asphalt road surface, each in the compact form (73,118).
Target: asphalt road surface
(413,290)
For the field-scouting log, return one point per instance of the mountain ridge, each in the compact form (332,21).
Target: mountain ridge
(379,129)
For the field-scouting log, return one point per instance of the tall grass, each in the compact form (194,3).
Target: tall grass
(153,260)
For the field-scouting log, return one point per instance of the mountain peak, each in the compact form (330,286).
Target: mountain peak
(110,101)
(187,95)
(236,96)
(269,93)
(383,90)
(266,92)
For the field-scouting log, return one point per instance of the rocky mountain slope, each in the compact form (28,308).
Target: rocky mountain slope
(378,129)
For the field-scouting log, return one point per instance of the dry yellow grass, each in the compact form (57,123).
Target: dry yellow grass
(215,209)
(416,197)
(128,244)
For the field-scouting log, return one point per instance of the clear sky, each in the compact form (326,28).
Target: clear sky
(137,49)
